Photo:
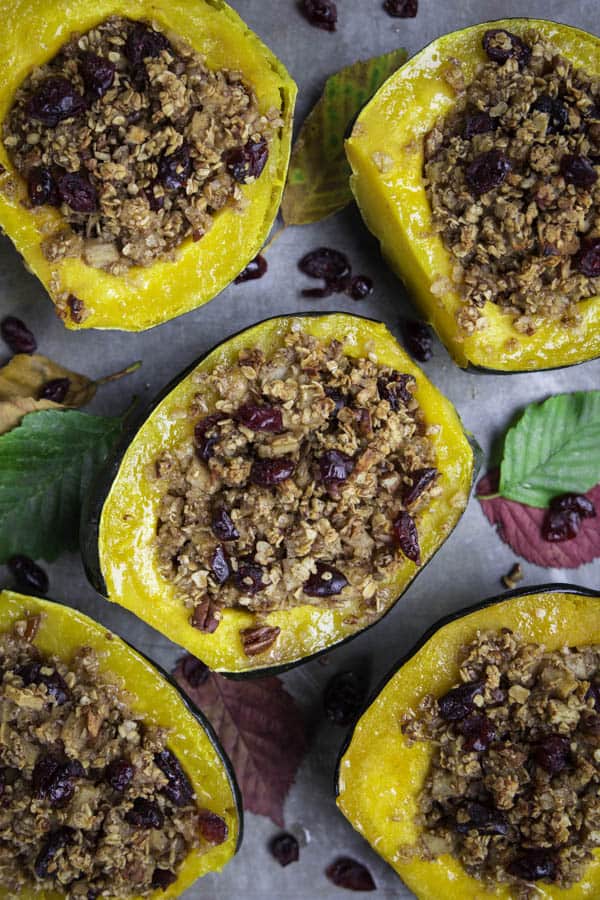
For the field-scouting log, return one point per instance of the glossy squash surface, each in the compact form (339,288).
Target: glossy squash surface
(380,776)
(63,631)
(120,526)
(32,33)
(385,152)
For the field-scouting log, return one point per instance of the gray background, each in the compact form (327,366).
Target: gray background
(469,565)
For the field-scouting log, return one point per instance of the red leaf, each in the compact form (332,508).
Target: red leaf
(261,730)
(520,527)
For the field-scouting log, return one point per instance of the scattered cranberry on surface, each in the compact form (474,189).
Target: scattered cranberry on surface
(256,268)
(479,123)
(175,169)
(487,171)
(500,52)
(206,435)
(17,335)
(55,390)
(143,42)
(212,827)
(219,565)
(483,819)
(52,844)
(56,687)
(421,479)
(325,263)
(578,170)
(557,112)
(360,287)
(247,163)
(394,389)
(401,9)
(563,519)
(119,774)
(98,74)
(249,578)
(285,849)
(320,13)
(271,472)
(458,702)
(28,575)
(56,99)
(326,581)
(260,418)
(41,187)
(552,753)
(334,466)
(406,536)
(418,339)
(350,874)
(222,525)
(478,732)
(163,878)
(77,192)
(343,698)
(587,259)
(533,864)
(144,814)
(178,790)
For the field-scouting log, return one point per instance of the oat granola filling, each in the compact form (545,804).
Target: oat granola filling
(93,802)
(137,141)
(512,178)
(513,788)
(302,487)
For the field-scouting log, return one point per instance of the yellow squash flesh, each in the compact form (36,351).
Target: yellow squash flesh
(127,555)
(32,32)
(385,152)
(61,633)
(380,776)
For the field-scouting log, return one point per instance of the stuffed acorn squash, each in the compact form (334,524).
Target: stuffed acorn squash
(143,155)
(135,798)
(476,166)
(474,771)
(283,494)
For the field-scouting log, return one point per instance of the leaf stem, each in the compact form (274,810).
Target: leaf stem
(116,375)
(488,496)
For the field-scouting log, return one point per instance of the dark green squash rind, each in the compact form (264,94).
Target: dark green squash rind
(94,503)
(550,588)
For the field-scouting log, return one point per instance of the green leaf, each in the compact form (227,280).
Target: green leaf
(46,466)
(318,178)
(553,449)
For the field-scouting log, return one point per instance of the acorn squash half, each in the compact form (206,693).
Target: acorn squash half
(154,696)
(392,199)
(144,297)
(380,777)
(119,525)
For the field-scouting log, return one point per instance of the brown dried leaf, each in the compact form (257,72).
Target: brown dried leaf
(12,411)
(25,375)
(260,728)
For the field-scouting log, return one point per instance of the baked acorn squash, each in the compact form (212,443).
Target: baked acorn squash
(88,297)
(119,525)
(153,695)
(386,154)
(380,775)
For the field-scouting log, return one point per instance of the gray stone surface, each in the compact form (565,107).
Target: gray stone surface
(470,564)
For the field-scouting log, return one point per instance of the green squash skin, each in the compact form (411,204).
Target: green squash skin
(93,505)
(470,367)
(549,588)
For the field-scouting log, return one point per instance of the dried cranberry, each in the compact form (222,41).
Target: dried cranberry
(219,564)
(143,42)
(260,418)
(28,574)
(194,671)
(270,472)
(587,259)
(552,753)
(156,202)
(418,339)
(557,112)
(320,13)
(394,389)
(42,187)
(327,581)
(52,844)
(178,790)
(98,74)
(360,287)
(56,390)
(487,171)
(256,268)
(17,335)
(247,162)
(517,49)
(458,702)
(406,536)
(53,779)
(334,466)
(56,686)
(421,479)
(578,170)
(532,864)
(212,827)
(249,578)
(222,525)
(340,400)
(350,874)
(119,774)
(343,698)
(401,9)
(560,526)
(285,849)
(317,293)
(593,694)
(325,263)
(145,814)
(478,732)
(77,192)
(483,819)
(56,99)
(206,435)
(163,878)
(175,169)
(578,503)
(479,123)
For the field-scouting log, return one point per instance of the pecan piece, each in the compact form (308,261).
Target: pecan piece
(258,638)
(204,617)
